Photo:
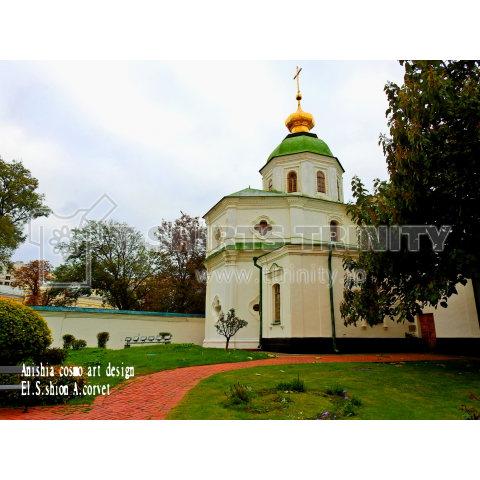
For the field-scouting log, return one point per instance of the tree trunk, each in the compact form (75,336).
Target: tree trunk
(226,346)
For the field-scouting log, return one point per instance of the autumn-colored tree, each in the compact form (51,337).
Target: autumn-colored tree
(38,278)
(178,287)
(433,162)
(31,277)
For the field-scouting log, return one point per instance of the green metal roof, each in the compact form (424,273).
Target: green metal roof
(301,142)
(115,311)
(253,192)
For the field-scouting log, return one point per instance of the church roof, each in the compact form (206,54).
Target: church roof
(301,142)
(253,192)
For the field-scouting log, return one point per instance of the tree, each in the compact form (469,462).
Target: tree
(23,333)
(432,158)
(19,203)
(38,279)
(121,262)
(9,240)
(228,326)
(177,287)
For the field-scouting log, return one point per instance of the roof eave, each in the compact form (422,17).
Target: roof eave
(304,151)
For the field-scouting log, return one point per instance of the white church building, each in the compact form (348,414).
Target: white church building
(271,252)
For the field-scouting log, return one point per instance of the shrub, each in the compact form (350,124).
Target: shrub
(336,389)
(229,325)
(283,400)
(103,338)
(343,405)
(23,333)
(471,413)
(356,402)
(16,398)
(79,344)
(296,385)
(67,340)
(52,356)
(348,409)
(240,394)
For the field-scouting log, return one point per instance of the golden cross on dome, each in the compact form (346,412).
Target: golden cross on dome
(299,97)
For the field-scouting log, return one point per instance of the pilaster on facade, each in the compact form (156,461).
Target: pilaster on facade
(231,258)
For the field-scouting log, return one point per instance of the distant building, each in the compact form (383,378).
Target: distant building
(14,294)
(17,294)
(93,301)
(6,277)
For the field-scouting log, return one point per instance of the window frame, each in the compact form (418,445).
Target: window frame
(292,175)
(323,177)
(276,304)
(334,231)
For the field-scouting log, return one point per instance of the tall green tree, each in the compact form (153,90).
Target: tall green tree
(121,262)
(433,159)
(20,202)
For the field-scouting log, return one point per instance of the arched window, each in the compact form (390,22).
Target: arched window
(334,231)
(276,303)
(292,182)
(320,182)
(270,185)
(338,190)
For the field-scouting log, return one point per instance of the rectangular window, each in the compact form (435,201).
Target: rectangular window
(276,290)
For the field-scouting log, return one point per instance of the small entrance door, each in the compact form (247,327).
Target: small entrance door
(427,325)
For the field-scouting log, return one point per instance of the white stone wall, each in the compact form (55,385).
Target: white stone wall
(306,165)
(86,325)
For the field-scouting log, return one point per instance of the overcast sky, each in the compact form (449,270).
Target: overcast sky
(160,137)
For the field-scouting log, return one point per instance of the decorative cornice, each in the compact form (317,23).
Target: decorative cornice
(295,157)
(297,201)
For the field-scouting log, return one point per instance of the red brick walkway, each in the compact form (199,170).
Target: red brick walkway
(153,396)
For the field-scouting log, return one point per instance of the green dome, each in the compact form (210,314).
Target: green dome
(301,142)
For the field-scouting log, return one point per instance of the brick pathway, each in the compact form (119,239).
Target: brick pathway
(153,396)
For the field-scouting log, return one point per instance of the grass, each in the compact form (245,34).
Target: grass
(149,359)
(146,360)
(389,391)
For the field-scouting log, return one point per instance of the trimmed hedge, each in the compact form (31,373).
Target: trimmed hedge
(46,385)
(23,333)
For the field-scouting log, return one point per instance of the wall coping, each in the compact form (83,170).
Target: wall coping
(118,312)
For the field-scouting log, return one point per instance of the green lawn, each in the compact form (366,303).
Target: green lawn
(143,359)
(401,391)
(150,359)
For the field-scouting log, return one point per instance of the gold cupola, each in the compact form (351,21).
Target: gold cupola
(299,121)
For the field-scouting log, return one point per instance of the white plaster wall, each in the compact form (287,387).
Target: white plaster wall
(236,286)
(286,214)
(305,299)
(86,325)
(459,319)
(306,165)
